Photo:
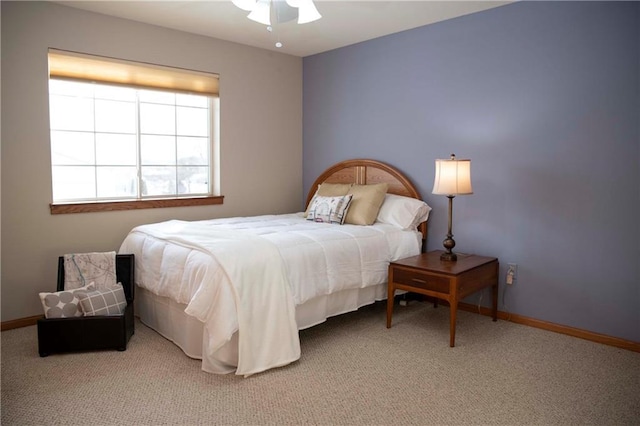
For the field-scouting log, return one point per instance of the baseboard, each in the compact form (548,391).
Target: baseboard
(556,328)
(21,322)
(505,316)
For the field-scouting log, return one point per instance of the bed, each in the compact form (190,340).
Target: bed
(234,292)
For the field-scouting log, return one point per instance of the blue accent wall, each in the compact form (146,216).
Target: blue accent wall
(544,98)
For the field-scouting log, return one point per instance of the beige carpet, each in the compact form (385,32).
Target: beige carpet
(353,371)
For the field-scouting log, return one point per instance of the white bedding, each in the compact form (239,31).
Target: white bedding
(201,265)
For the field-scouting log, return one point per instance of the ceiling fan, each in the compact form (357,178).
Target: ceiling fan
(261,11)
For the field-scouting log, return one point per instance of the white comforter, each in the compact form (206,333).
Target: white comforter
(246,275)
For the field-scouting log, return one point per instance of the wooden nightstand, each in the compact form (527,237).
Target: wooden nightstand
(451,281)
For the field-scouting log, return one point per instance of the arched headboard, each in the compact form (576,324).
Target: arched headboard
(362,172)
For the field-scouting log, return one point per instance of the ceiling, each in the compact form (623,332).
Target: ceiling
(343,22)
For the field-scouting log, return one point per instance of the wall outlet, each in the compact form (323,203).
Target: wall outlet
(512,273)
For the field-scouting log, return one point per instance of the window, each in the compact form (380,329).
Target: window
(116,142)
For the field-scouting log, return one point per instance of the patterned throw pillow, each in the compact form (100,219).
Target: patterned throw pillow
(329,190)
(109,301)
(329,209)
(64,304)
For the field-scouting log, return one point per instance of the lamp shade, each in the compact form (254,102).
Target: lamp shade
(261,12)
(453,177)
(247,5)
(307,12)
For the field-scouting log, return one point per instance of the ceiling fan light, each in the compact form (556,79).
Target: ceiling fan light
(247,5)
(283,12)
(307,12)
(261,12)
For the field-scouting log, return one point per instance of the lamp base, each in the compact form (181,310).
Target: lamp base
(449,243)
(448,256)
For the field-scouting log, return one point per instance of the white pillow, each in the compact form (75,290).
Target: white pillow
(405,212)
(329,209)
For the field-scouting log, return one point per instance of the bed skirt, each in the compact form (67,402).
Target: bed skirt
(168,318)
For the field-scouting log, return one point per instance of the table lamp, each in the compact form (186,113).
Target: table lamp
(453,177)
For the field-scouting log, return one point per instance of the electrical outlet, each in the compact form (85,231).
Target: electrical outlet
(512,273)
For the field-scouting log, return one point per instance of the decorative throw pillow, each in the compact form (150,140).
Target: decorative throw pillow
(366,203)
(109,301)
(329,190)
(63,304)
(329,209)
(405,212)
(333,189)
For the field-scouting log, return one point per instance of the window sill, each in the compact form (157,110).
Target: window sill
(110,206)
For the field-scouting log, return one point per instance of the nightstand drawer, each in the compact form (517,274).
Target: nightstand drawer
(421,280)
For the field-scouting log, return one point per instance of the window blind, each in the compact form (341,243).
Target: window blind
(100,69)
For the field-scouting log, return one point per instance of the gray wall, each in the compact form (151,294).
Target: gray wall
(544,98)
(261,132)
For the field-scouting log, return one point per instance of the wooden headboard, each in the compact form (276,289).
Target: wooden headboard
(362,172)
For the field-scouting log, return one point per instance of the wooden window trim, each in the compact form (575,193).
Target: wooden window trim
(109,206)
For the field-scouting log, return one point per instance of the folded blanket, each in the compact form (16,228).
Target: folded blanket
(82,268)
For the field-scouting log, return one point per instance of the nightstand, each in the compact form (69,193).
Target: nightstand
(451,281)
